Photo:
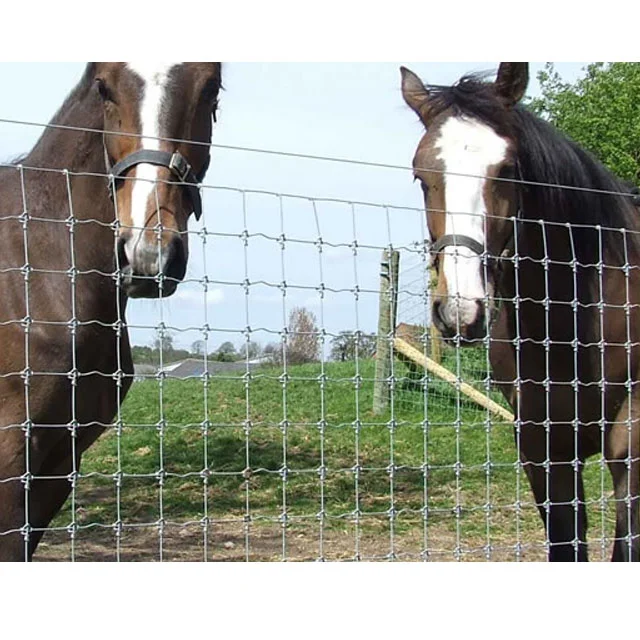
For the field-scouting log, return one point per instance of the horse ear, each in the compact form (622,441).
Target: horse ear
(512,81)
(214,111)
(415,94)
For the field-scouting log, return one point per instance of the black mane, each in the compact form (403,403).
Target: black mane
(77,94)
(471,97)
(548,157)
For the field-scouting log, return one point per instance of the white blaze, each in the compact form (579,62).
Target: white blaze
(155,77)
(467,149)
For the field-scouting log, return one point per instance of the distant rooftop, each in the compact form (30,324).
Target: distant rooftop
(195,368)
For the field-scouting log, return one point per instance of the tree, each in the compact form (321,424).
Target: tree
(163,342)
(302,340)
(143,355)
(164,345)
(346,344)
(198,347)
(600,111)
(249,350)
(226,353)
(273,352)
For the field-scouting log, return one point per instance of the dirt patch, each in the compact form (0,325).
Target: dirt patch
(270,543)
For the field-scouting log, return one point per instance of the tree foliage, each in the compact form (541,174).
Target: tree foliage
(163,342)
(302,343)
(600,111)
(249,350)
(162,349)
(198,348)
(272,352)
(347,344)
(226,352)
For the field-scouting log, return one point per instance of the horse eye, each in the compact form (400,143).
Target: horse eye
(507,172)
(210,90)
(104,91)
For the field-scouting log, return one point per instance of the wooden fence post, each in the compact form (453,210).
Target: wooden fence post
(435,340)
(389,268)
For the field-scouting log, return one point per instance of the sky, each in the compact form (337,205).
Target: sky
(348,111)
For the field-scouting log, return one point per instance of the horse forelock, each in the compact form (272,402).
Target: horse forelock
(472,97)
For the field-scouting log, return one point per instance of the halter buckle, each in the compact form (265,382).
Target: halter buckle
(180,166)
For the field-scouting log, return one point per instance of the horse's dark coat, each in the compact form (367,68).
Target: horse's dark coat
(65,362)
(565,345)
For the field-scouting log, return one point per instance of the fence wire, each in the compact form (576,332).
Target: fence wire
(274,456)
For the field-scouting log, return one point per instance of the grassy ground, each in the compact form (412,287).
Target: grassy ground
(301,468)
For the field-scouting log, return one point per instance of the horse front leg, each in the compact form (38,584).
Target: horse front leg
(626,546)
(13,543)
(558,489)
(53,487)
(47,498)
(622,453)
(13,498)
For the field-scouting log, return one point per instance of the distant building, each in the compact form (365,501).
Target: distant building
(143,371)
(195,368)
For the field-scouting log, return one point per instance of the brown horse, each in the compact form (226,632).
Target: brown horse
(74,245)
(521,216)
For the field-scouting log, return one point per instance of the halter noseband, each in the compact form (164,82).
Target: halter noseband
(175,162)
(454,240)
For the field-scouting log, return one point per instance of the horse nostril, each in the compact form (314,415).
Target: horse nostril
(175,264)
(121,254)
(437,311)
(480,321)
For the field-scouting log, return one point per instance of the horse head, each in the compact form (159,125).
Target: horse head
(158,125)
(466,164)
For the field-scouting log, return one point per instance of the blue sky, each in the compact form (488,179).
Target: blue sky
(341,110)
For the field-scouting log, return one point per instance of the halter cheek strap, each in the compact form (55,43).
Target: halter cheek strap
(175,162)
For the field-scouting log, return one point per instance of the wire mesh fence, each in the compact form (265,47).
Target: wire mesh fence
(416,293)
(262,452)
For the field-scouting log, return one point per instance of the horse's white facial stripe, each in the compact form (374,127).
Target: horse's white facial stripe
(155,77)
(467,148)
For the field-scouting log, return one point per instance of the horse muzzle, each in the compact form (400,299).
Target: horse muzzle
(151,270)
(460,322)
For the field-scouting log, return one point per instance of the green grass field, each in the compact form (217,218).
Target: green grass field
(301,467)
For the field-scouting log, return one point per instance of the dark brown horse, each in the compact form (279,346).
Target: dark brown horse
(74,245)
(520,215)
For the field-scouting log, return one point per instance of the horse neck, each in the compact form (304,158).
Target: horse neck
(72,141)
(74,186)
(71,154)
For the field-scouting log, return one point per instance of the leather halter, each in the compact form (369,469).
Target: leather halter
(455,240)
(507,252)
(175,162)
